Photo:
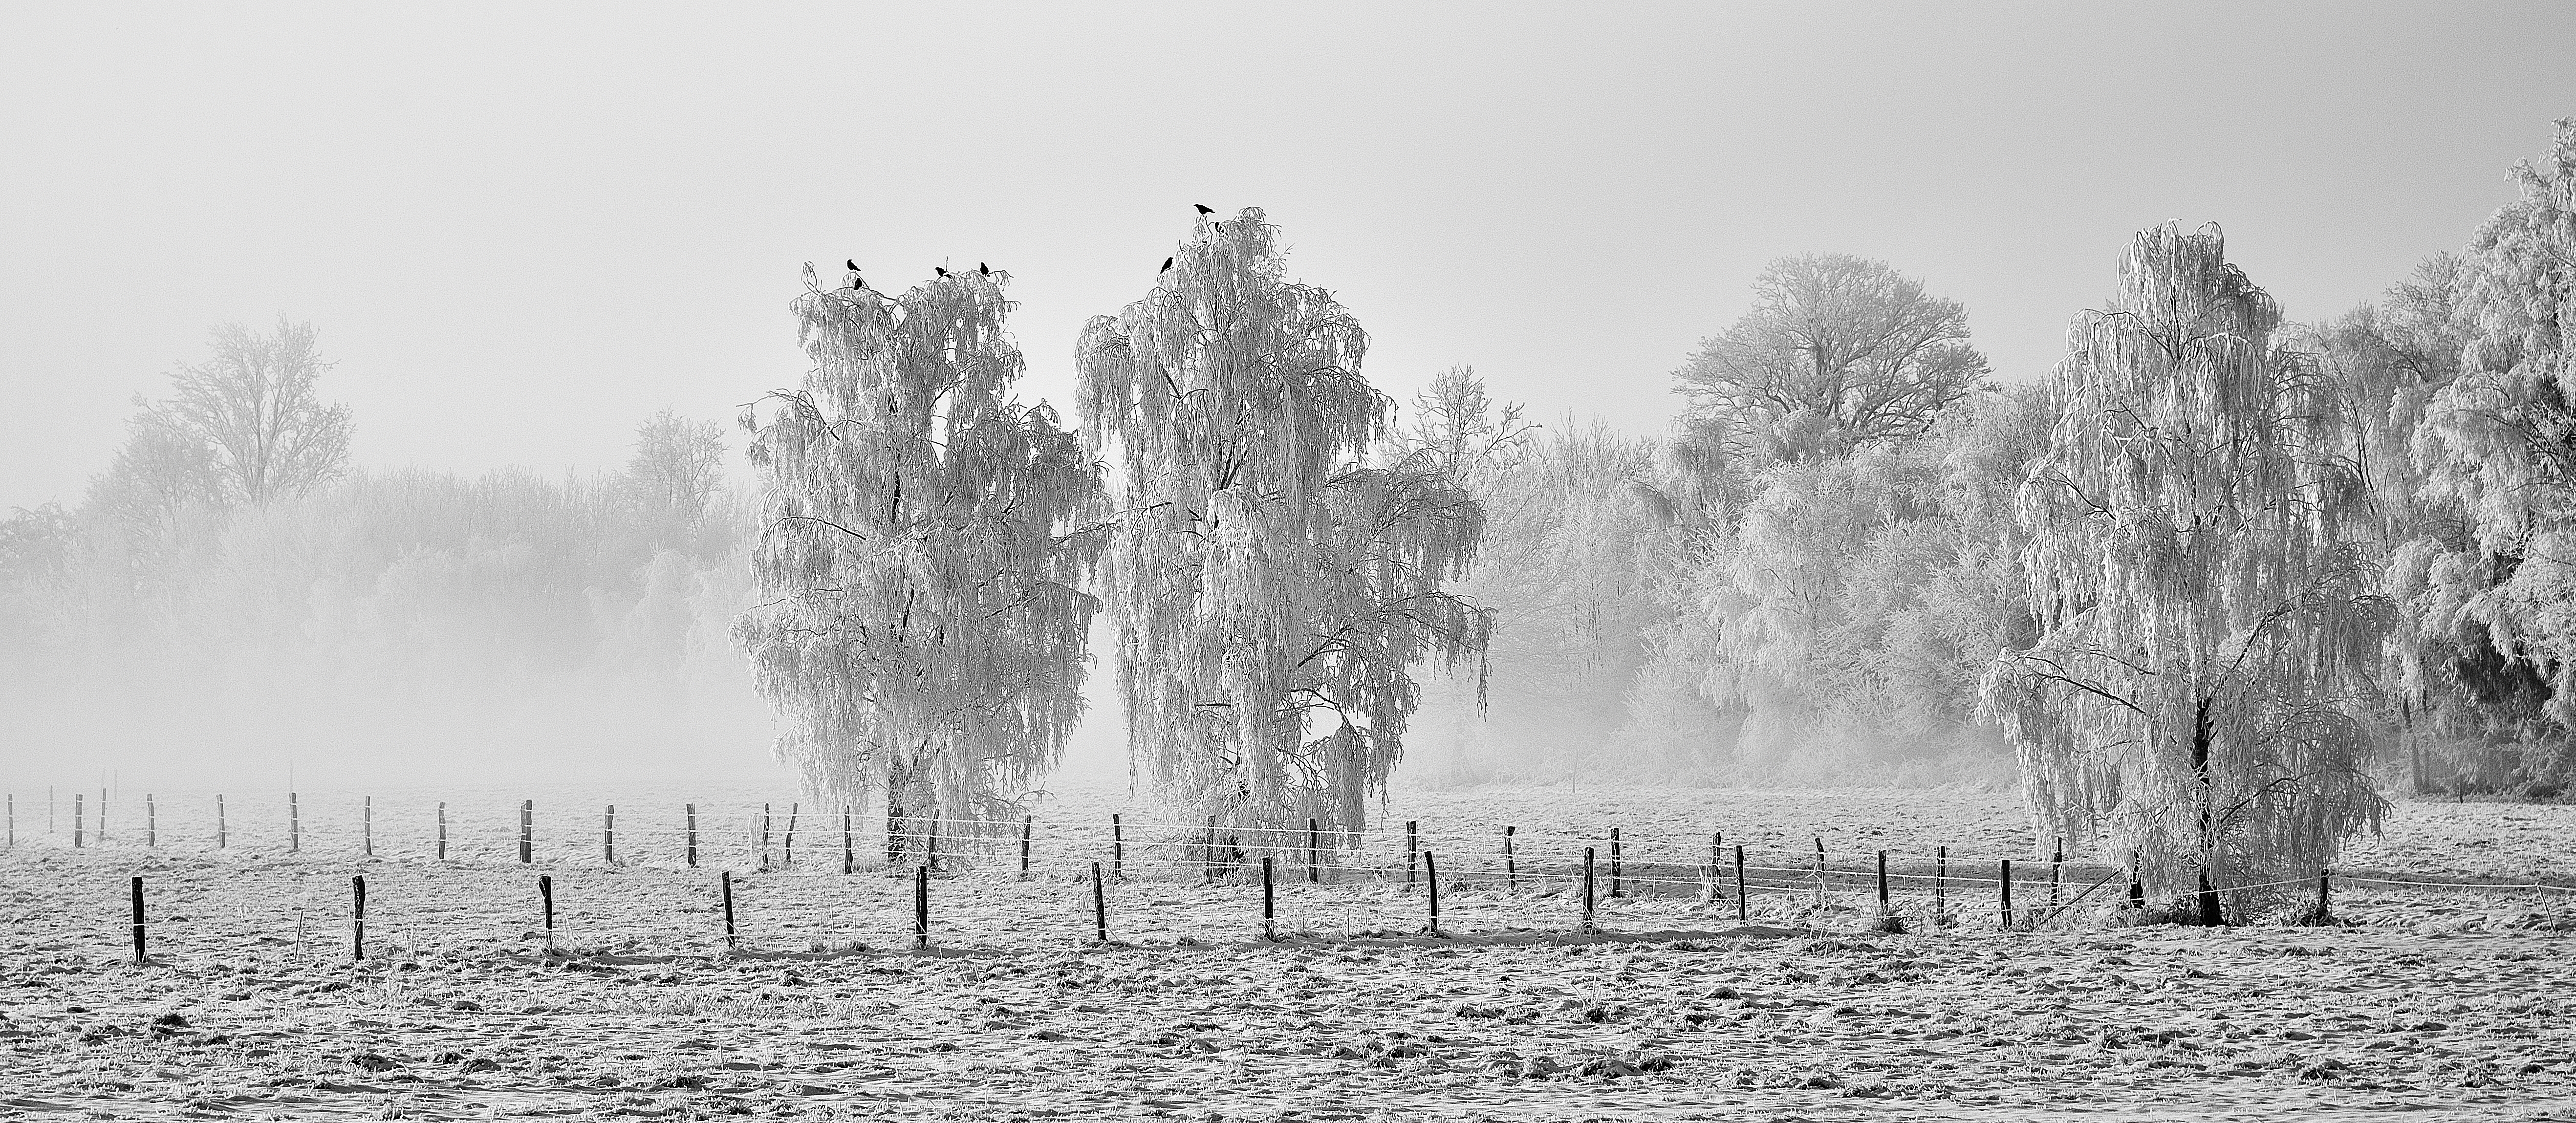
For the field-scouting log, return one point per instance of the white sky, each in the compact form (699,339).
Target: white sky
(523,228)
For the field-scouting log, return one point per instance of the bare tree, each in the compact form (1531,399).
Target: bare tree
(678,466)
(1838,351)
(255,405)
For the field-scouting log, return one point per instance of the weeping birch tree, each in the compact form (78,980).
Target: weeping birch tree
(1271,585)
(921,630)
(2210,625)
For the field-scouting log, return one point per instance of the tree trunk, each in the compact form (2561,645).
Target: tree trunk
(2210,912)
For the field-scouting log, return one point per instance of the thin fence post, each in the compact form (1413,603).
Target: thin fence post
(220,840)
(1743,905)
(2056,859)
(138,922)
(1099,906)
(1940,885)
(1117,847)
(151,823)
(2323,892)
(1269,903)
(1028,827)
(1431,881)
(294,825)
(690,836)
(1511,863)
(367,826)
(849,843)
(1820,861)
(442,830)
(764,836)
(1314,850)
(1207,853)
(77,806)
(358,918)
(608,835)
(792,809)
(1587,890)
(1716,857)
(527,831)
(1882,883)
(546,895)
(1412,851)
(921,906)
(725,879)
(936,820)
(2003,883)
(2137,883)
(1616,890)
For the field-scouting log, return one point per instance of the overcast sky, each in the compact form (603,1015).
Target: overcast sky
(523,228)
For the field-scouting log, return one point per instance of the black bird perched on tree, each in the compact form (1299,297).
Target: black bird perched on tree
(853,278)
(1206,210)
(941,270)
(1167,266)
(984,269)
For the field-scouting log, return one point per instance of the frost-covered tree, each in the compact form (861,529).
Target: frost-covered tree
(1272,586)
(2197,562)
(256,405)
(678,467)
(920,630)
(1838,351)
(2490,578)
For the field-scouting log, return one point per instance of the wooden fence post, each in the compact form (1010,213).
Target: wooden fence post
(1117,848)
(367,826)
(1412,851)
(2137,883)
(220,840)
(849,843)
(690,834)
(442,830)
(1616,889)
(1511,864)
(527,831)
(2056,859)
(294,825)
(358,918)
(2323,895)
(764,838)
(151,823)
(1314,848)
(1940,885)
(77,805)
(937,818)
(789,861)
(138,922)
(2004,885)
(1099,905)
(1716,858)
(1207,853)
(1587,891)
(1028,826)
(725,879)
(608,835)
(1742,906)
(1882,884)
(1269,904)
(921,906)
(546,894)
(1431,881)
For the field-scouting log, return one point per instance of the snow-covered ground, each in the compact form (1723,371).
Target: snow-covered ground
(2441,1003)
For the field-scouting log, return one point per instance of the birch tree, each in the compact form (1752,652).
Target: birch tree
(921,629)
(2210,626)
(1272,586)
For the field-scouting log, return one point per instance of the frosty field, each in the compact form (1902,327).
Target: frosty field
(2438,1003)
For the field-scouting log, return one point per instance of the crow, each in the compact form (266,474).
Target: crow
(941,270)
(1167,265)
(1204,209)
(984,269)
(853,279)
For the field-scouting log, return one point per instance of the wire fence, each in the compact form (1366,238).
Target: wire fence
(784,878)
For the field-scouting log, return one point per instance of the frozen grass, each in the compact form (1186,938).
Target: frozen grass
(2432,1002)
